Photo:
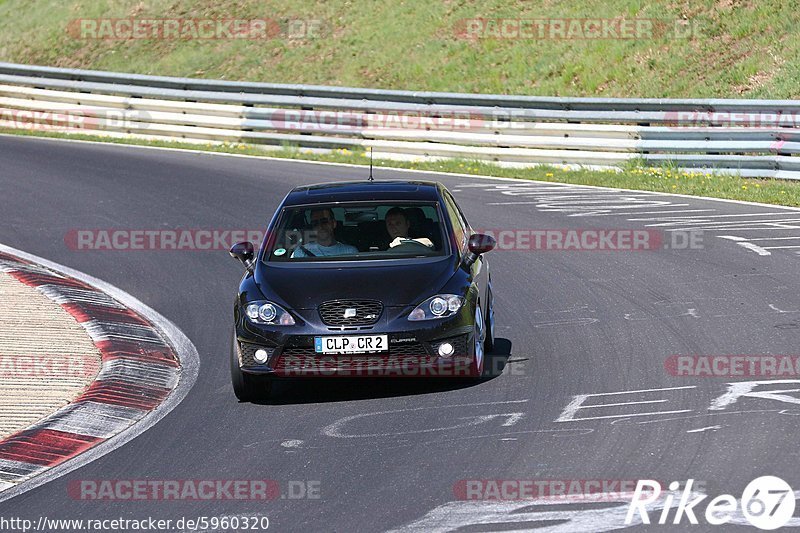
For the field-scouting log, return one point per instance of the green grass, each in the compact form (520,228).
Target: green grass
(633,176)
(742,48)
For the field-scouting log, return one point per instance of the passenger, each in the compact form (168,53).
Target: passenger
(397,225)
(323,221)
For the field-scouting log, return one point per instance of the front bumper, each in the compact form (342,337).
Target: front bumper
(412,351)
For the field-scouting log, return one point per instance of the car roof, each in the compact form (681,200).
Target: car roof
(354,191)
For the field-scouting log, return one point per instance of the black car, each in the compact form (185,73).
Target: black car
(371,278)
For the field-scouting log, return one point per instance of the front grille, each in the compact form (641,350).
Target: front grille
(297,352)
(367,312)
(407,348)
(403,349)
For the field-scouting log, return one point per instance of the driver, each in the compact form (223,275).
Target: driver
(323,221)
(397,225)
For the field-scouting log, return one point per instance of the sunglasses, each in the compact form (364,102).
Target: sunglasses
(320,222)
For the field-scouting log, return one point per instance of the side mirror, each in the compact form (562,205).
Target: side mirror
(479,244)
(244,252)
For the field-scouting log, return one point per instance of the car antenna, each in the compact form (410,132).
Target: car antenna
(371,179)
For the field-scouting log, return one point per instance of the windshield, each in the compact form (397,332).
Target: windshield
(357,231)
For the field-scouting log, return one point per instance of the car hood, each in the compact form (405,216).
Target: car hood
(306,286)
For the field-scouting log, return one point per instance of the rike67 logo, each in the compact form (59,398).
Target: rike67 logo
(767,503)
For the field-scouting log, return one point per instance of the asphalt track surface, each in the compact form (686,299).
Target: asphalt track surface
(570,323)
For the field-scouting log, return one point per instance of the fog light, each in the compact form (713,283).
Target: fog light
(446,349)
(261,356)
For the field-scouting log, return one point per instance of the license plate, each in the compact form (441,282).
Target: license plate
(351,344)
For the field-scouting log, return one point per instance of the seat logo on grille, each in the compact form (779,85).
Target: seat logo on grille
(350,312)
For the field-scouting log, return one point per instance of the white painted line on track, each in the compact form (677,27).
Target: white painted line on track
(642,390)
(744,243)
(721,224)
(622,403)
(619,203)
(773,238)
(584,418)
(514,203)
(556,514)
(761,228)
(700,430)
(335,429)
(703,217)
(184,349)
(657,212)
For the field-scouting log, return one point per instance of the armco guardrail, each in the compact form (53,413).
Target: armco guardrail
(755,138)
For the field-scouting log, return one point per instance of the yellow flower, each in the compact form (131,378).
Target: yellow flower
(744,187)
(549,174)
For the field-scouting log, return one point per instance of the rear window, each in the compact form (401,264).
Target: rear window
(358,231)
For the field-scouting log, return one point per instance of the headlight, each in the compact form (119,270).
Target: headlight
(268,313)
(439,306)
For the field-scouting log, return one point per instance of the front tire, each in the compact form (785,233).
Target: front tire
(488,344)
(477,366)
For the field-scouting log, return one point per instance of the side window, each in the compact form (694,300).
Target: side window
(464,223)
(457,222)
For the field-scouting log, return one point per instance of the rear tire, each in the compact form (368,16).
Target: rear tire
(247,387)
